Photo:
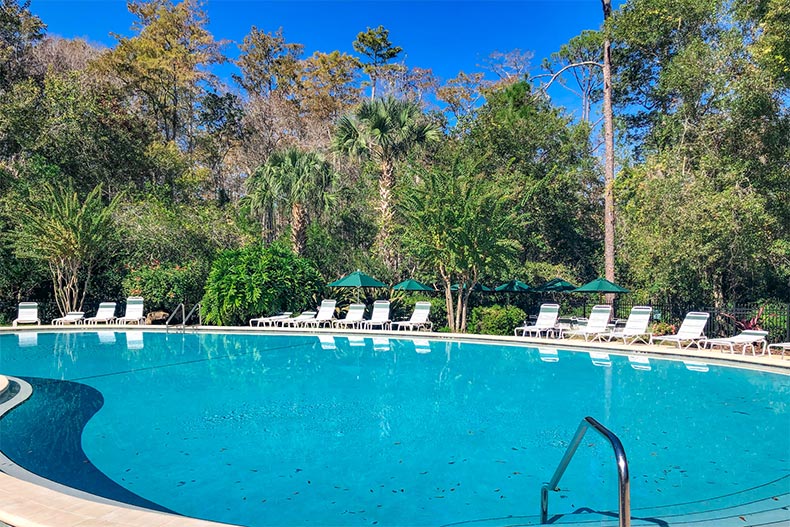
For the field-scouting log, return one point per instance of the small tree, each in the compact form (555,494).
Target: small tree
(375,45)
(459,224)
(69,234)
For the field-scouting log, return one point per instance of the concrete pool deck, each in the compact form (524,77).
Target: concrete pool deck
(26,504)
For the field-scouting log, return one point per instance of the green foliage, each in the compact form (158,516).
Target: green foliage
(258,280)
(157,231)
(553,180)
(343,244)
(77,126)
(774,46)
(716,253)
(267,63)
(496,320)
(164,287)
(583,56)
(709,195)
(663,328)
(329,85)
(702,198)
(20,30)
(165,62)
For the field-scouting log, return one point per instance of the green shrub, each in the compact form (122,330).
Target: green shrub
(496,320)
(165,286)
(258,280)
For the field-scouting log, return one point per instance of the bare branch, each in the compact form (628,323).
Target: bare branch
(563,69)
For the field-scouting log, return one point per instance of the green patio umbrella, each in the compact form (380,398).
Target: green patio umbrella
(357,279)
(412,285)
(514,286)
(477,287)
(555,285)
(600,285)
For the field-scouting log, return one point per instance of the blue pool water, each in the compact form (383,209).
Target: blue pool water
(290,430)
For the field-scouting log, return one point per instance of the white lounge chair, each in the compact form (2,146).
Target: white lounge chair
(270,321)
(784,346)
(27,314)
(354,317)
(635,327)
(546,322)
(105,314)
(295,321)
(380,317)
(744,339)
(72,317)
(134,311)
(692,331)
(418,320)
(597,323)
(325,316)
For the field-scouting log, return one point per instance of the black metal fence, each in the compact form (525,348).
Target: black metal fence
(773,317)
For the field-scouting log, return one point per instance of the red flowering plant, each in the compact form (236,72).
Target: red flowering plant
(751,323)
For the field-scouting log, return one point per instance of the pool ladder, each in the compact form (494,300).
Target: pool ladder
(623,483)
(184,317)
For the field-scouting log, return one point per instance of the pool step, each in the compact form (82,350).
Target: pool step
(764,505)
(758,505)
(769,511)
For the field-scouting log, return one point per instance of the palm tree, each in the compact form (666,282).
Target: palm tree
(291,182)
(385,131)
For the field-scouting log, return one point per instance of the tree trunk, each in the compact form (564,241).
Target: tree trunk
(608,117)
(448,301)
(386,182)
(298,228)
(459,307)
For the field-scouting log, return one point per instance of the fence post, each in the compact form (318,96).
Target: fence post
(787,324)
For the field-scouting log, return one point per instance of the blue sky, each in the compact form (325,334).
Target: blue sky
(446,36)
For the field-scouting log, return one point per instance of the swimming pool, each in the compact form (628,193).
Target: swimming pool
(293,429)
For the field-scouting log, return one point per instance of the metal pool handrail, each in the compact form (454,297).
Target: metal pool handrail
(184,318)
(623,484)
